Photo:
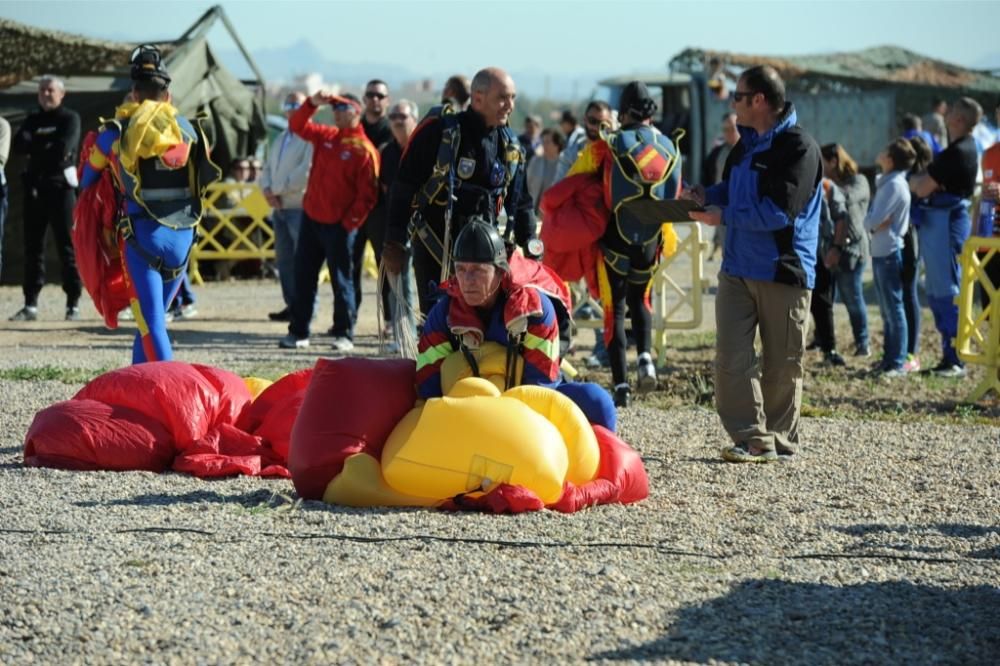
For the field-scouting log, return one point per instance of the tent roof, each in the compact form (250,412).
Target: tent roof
(876,65)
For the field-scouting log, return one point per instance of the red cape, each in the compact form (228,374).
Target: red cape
(574,219)
(102,275)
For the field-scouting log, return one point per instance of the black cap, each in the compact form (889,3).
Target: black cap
(147,65)
(637,100)
(479,242)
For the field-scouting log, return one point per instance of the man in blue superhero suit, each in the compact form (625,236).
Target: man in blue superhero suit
(160,165)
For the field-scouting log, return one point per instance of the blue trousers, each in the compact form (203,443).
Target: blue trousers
(3,218)
(942,233)
(850,290)
(319,242)
(889,286)
(287,224)
(150,293)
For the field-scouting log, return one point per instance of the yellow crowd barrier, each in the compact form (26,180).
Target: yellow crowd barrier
(235,226)
(978,338)
(677,290)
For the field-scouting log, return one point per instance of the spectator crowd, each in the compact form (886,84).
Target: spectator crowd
(331,190)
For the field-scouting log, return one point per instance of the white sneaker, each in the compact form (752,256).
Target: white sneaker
(189,311)
(342,344)
(27,313)
(292,342)
(647,373)
(125,314)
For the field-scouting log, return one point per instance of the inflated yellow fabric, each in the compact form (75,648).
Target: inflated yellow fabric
(360,483)
(584,455)
(256,385)
(492,360)
(454,445)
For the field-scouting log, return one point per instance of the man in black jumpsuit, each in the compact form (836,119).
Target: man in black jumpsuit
(50,137)
(486,175)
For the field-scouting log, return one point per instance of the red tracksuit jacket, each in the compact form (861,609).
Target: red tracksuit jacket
(343,179)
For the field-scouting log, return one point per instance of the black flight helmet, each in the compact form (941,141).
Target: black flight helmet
(479,242)
(147,65)
(637,101)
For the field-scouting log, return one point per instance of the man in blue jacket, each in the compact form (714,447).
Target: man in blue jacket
(769,199)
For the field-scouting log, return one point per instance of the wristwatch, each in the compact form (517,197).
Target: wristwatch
(535,248)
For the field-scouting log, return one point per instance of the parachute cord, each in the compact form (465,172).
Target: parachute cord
(403,317)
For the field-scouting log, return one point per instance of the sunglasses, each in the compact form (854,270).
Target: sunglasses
(738,95)
(290,106)
(343,106)
(375,95)
(397,116)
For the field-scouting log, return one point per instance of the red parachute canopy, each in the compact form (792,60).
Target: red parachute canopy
(94,218)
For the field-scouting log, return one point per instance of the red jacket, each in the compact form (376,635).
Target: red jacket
(343,179)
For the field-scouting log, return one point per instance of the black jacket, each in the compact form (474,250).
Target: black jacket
(478,156)
(378,132)
(51,140)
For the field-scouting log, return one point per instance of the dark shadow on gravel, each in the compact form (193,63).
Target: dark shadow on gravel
(897,537)
(779,622)
(255,498)
(10,450)
(258,499)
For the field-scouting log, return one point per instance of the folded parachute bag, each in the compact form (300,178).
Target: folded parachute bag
(350,407)
(93,435)
(145,408)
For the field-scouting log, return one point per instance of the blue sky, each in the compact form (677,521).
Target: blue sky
(559,38)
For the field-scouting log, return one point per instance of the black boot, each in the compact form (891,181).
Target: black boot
(622,395)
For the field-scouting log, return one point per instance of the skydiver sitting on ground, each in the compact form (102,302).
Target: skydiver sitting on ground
(508,301)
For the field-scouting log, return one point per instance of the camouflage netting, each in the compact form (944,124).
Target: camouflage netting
(27,52)
(868,68)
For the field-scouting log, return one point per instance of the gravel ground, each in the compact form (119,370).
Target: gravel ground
(880,543)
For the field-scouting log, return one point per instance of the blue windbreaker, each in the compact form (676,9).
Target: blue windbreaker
(771,199)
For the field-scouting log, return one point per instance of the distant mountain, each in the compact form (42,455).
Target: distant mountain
(303,57)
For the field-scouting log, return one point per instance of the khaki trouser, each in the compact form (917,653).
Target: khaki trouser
(759,399)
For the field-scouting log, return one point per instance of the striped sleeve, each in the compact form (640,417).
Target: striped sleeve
(434,346)
(541,347)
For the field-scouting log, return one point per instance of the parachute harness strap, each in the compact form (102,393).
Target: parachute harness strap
(515,346)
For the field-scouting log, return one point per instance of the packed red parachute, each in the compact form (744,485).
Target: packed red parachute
(325,427)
